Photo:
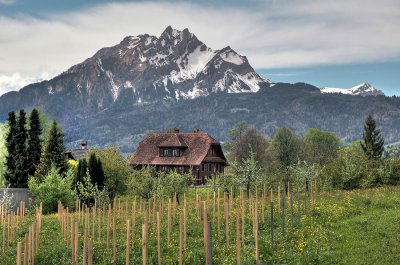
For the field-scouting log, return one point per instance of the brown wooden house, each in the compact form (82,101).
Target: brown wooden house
(196,151)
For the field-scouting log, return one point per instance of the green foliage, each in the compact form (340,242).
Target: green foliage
(373,141)
(250,141)
(248,172)
(81,172)
(34,149)
(3,153)
(53,153)
(96,171)
(17,161)
(52,189)
(116,169)
(235,134)
(147,183)
(287,146)
(88,192)
(320,147)
(141,182)
(225,182)
(302,174)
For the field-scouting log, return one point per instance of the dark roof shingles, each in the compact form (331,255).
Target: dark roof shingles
(147,152)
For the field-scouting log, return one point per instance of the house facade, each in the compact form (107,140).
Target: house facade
(196,152)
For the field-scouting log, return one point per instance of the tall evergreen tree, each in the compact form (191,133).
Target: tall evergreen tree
(53,153)
(372,140)
(34,148)
(81,172)
(11,149)
(20,157)
(96,170)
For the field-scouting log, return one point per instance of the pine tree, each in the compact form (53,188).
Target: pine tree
(373,141)
(34,149)
(11,149)
(53,153)
(20,157)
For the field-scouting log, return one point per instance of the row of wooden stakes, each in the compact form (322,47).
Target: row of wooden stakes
(92,219)
(31,241)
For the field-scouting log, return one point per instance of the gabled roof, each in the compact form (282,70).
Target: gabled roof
(76,154)
(175,140)
(148,152)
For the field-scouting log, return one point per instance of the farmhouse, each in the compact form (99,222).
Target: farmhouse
(196,152)
(77,153)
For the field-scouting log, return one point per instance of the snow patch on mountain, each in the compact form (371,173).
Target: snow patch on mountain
(363,89)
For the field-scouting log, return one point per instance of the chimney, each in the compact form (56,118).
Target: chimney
(83,145)
(176,130)
(196,130)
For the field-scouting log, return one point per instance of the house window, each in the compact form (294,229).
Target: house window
(170,152)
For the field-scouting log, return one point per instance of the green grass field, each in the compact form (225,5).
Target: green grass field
(356,227)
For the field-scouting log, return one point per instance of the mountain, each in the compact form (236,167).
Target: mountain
(363,89)
(141,70)
(147,83)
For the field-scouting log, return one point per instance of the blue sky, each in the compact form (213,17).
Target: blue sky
(335,43)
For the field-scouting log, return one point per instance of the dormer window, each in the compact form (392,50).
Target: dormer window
(170,152)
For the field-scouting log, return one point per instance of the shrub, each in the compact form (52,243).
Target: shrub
(54,188)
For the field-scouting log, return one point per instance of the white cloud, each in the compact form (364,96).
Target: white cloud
(7,2)
(16,81)
(275,34)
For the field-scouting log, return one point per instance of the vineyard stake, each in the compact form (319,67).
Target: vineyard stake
(128,244)
(237,237)
(158,239)
(144,243)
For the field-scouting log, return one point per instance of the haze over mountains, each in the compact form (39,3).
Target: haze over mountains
(147,83)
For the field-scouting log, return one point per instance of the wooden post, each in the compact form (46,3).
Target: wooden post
(209,243)
(26,250)
(180,241)
(283,218)
(85,234)
(291,211)
(298,208)
(4,236)
(205,234)
(90,252)
(19,250)
(128,244)
(99,216)
(272,222)
(76,243)
(133,222)
(72,241)
(226,224)
(218,215)
(237,237)
(279,199)
(108,228)
(243,217)
(169,222)
(158,238)
(256,228)
(114,240)
(144,243)
(184,220)
(214,208)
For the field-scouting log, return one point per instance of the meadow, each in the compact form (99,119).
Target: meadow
(340,227)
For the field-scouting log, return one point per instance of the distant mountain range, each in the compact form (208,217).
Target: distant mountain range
(147,83)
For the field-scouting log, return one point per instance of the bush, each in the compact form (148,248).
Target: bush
(167,184)
(54,188)
(147,183)
(116,169)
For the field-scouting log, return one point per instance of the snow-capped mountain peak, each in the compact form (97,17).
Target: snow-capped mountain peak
(363,89)
(176,65)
